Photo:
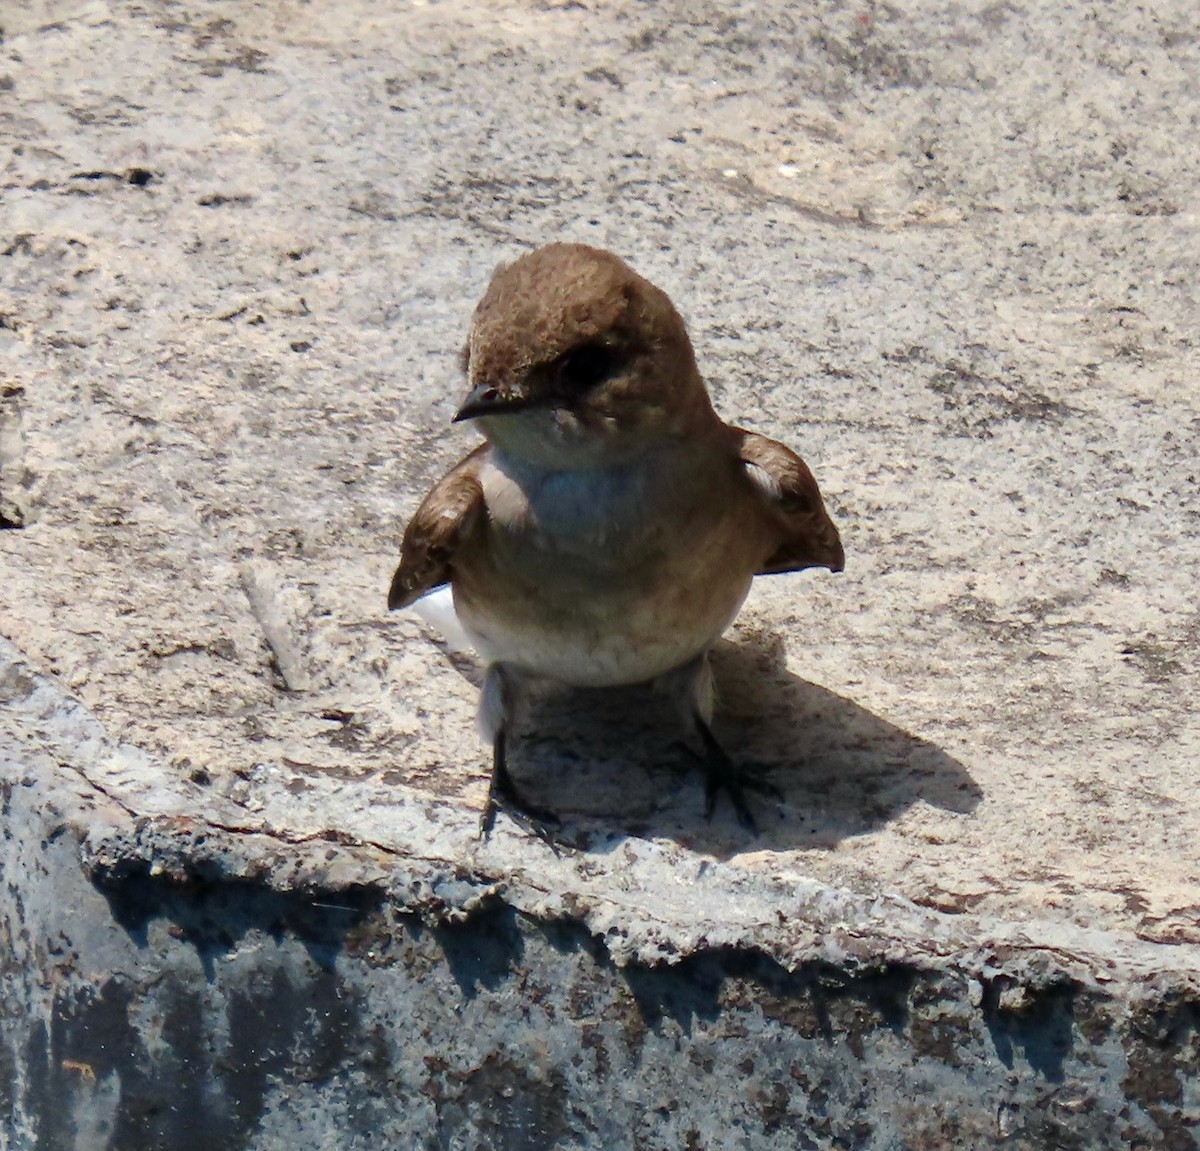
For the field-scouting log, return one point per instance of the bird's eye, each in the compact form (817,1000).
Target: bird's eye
(588,365)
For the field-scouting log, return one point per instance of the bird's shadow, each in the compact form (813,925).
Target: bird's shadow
(609,761)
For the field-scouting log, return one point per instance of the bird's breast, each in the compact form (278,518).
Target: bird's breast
(603,576)
(596,516)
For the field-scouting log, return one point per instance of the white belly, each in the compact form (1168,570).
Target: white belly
(615,641)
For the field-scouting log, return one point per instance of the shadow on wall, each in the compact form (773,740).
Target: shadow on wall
(612,758)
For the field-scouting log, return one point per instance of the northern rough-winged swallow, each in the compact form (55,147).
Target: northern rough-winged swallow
(608,529)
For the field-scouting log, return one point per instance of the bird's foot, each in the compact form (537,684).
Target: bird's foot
(721,774)
(502,792)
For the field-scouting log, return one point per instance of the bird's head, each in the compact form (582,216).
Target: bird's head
(575,361)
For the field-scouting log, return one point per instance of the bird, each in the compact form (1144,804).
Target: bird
(607,529)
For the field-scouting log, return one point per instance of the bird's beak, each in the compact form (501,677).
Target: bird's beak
(489,400)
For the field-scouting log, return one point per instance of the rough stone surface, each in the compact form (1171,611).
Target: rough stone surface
(946,252)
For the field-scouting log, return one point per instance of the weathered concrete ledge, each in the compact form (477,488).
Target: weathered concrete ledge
(181,981)
(944,250)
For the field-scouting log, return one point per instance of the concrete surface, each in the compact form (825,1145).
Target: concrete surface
(944,250)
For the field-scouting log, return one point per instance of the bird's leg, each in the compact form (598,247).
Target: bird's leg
(499,785)
(722,774)
(495,715)
(692,688)
(502,792)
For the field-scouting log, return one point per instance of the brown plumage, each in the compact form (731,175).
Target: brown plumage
(434,535)
(608,529)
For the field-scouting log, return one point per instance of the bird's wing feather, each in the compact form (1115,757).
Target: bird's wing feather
(445,519)
(806,535)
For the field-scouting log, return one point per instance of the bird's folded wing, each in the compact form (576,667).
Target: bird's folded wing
(807,536)
(444,520)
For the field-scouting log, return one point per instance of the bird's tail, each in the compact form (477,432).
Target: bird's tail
(436,610)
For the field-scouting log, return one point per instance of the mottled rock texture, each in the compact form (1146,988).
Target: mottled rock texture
(944,250)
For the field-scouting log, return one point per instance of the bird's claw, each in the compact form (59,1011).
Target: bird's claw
(721,774)
(539,821)
(735,783)
(502,792)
